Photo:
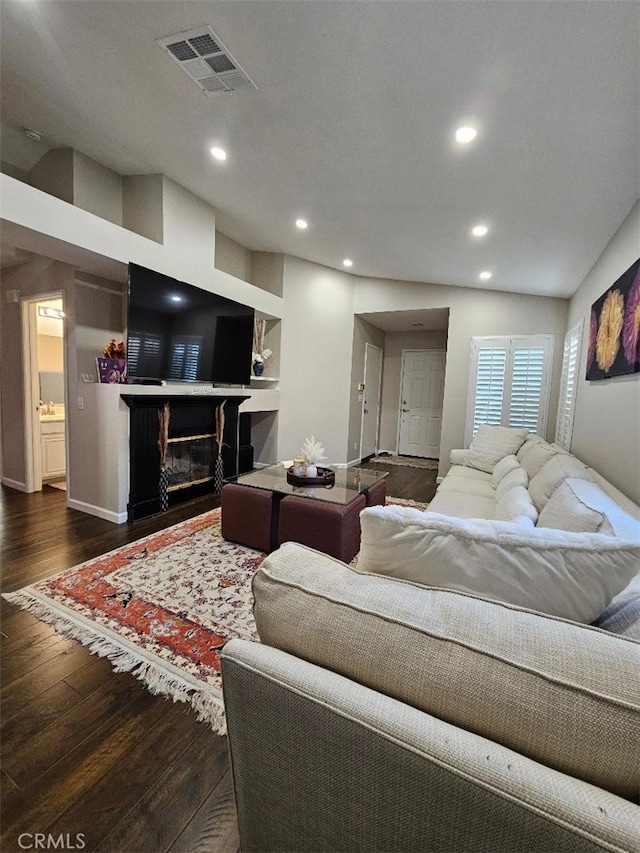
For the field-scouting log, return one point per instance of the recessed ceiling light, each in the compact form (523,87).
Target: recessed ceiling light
(466,134)
(485,275)
(347,262)
(479,230)
(302,224)
(34,135)
(176,298)
(218,153)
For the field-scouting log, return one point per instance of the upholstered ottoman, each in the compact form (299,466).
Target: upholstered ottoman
(376,495)
(246,516)
(331,528)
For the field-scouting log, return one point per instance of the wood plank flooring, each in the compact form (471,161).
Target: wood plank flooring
(87,751)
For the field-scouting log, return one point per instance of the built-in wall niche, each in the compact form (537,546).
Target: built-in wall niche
(271,343)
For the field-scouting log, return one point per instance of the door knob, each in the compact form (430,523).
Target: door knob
(405,410)
(366,411)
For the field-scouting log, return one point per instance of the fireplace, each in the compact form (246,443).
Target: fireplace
(192,448)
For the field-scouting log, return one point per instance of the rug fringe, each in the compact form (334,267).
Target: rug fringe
(208,708)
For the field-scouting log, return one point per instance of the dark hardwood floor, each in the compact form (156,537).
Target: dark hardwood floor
(85,750)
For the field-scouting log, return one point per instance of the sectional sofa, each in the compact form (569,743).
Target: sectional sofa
(394,707)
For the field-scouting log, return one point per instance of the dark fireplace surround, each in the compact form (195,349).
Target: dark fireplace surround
(192,449)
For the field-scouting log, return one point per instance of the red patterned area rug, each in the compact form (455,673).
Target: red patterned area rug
(160,608)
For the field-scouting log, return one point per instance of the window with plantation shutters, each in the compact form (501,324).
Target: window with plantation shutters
(509,380)
(568,386)
(185,357)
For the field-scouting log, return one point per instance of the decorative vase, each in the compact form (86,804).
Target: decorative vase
(258,368)
(164,488)
(218,474)
(312,470)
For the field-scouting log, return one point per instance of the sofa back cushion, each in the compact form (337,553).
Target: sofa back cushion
(554,472)
(491,444)
(571,575)
(505,466)
(565,695)
(535,457)
(516,505)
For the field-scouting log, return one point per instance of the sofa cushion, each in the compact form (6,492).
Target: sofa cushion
(565,695)
(491,443)
(554,472)
(503,467)
(462,504)
(536,456)
(516,505)
(517,477)
(468,486)
(565,511)
(572,575)
(462,472)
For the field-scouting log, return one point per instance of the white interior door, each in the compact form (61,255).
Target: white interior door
(371,400)
(422,391)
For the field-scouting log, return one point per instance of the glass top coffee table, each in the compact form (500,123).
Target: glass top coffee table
(349,483)
(262,510)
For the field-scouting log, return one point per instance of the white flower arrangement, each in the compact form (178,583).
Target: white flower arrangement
(312,451)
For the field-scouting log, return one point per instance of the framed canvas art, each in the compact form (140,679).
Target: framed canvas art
(614,330)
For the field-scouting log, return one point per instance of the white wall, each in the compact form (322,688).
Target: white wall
(97,188)
(363,333)
(315,365)
(606,432)
(142,205)
(233,258)
(471,313)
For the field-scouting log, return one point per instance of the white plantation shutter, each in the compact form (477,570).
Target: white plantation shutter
(568,386)
(526,387)
(509,379)
(490,374)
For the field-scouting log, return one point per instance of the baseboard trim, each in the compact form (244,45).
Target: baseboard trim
(14,484)
(100,512)
(439,480)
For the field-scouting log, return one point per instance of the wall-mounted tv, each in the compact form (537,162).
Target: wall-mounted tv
(180,333)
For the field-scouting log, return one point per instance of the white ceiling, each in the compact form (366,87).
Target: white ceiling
(352,123)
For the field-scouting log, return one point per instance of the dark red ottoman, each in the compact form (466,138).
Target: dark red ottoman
(333,529)
(246,516)
(377,494)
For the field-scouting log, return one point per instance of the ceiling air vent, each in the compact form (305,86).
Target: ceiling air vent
(204,58)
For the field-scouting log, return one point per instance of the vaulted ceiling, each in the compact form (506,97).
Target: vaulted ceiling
(351,124)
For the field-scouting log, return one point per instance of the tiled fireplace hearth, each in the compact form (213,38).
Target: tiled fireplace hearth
(192,448)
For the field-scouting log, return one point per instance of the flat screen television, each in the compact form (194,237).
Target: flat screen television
(180,333)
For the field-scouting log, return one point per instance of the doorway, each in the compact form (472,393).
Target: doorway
(371,401)
(45,392)
(421,400)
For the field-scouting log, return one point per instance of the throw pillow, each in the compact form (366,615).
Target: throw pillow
(572,575)
(554,472)
(617,522)
(491,444)
(536,457)
(565,511)
(517,477)
(516,505)
(504,466)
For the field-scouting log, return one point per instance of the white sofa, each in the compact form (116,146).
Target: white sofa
(535,528)
(381,715)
